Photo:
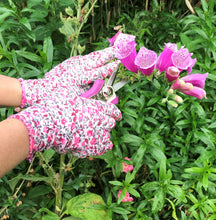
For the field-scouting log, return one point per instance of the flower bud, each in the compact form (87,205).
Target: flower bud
(172,73)
(170,92)
(164,100)
(173,103)
(178,98)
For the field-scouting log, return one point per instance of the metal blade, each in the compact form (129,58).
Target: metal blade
(119,85)
(113,76)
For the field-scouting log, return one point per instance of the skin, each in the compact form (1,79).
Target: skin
(14,144)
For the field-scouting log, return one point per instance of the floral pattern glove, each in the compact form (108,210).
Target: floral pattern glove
(70,124)
(74,75)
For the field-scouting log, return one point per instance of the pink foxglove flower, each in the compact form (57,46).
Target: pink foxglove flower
(126,51)
(126,167)
(172,73)
(127,197)
(196,79)
(182,60)
(146,60)
(192,85)
(113,39)
(164,59)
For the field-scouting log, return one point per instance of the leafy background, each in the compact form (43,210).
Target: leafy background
(172,149)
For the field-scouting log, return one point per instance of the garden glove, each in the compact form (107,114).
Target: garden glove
(70,124)
(74,75)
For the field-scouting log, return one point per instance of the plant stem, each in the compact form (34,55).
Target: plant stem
(86,16)
(60,181)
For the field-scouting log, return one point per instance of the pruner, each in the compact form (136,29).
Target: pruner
(105,91)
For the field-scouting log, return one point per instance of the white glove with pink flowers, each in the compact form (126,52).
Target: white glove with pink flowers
(56,117)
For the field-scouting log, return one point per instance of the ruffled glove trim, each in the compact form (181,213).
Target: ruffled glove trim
(23,100)
(28,127)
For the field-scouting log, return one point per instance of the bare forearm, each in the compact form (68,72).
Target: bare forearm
(10,92)
(14,144)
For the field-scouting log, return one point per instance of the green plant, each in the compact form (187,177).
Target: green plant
(172,149)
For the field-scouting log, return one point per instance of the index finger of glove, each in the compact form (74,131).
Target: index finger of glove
(97,58)
(98,73)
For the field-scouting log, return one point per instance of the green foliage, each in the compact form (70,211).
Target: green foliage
(172,149)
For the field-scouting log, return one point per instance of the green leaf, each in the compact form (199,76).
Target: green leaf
(153,100)
(122,195)
(204,5)
(130,112)
(150,186)
(183,123)
(158,201)
(29,56)
(25,21)
(132,139)
(161,158)
(116,183)
(177,193)
(212,125)
(13,182)
(120,210)
(38,191)
(133,192)
(138,157)
(50,216)
(37,178)
(194,170)
(174,210)
(199,109)
(204,138)
(48,154)
(83,206)
(205,181)
(48,49)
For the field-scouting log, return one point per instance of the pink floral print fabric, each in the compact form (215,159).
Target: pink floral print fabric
(70,124)
(75,74)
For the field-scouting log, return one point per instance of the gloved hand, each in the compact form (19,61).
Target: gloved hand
(74,74)
(70,124)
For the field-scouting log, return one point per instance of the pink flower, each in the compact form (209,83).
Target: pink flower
(182,59)
(172,73)
(171,56)
(196,79)
(126,51)
(192,85)
(164,59)
(126,167)
(127,197)
(145,60)
(113,39)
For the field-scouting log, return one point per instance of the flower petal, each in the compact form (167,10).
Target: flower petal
(182,59)
(146,60)
(196,92)
(196,79)
(164,59)
(113,39)
(172,73)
